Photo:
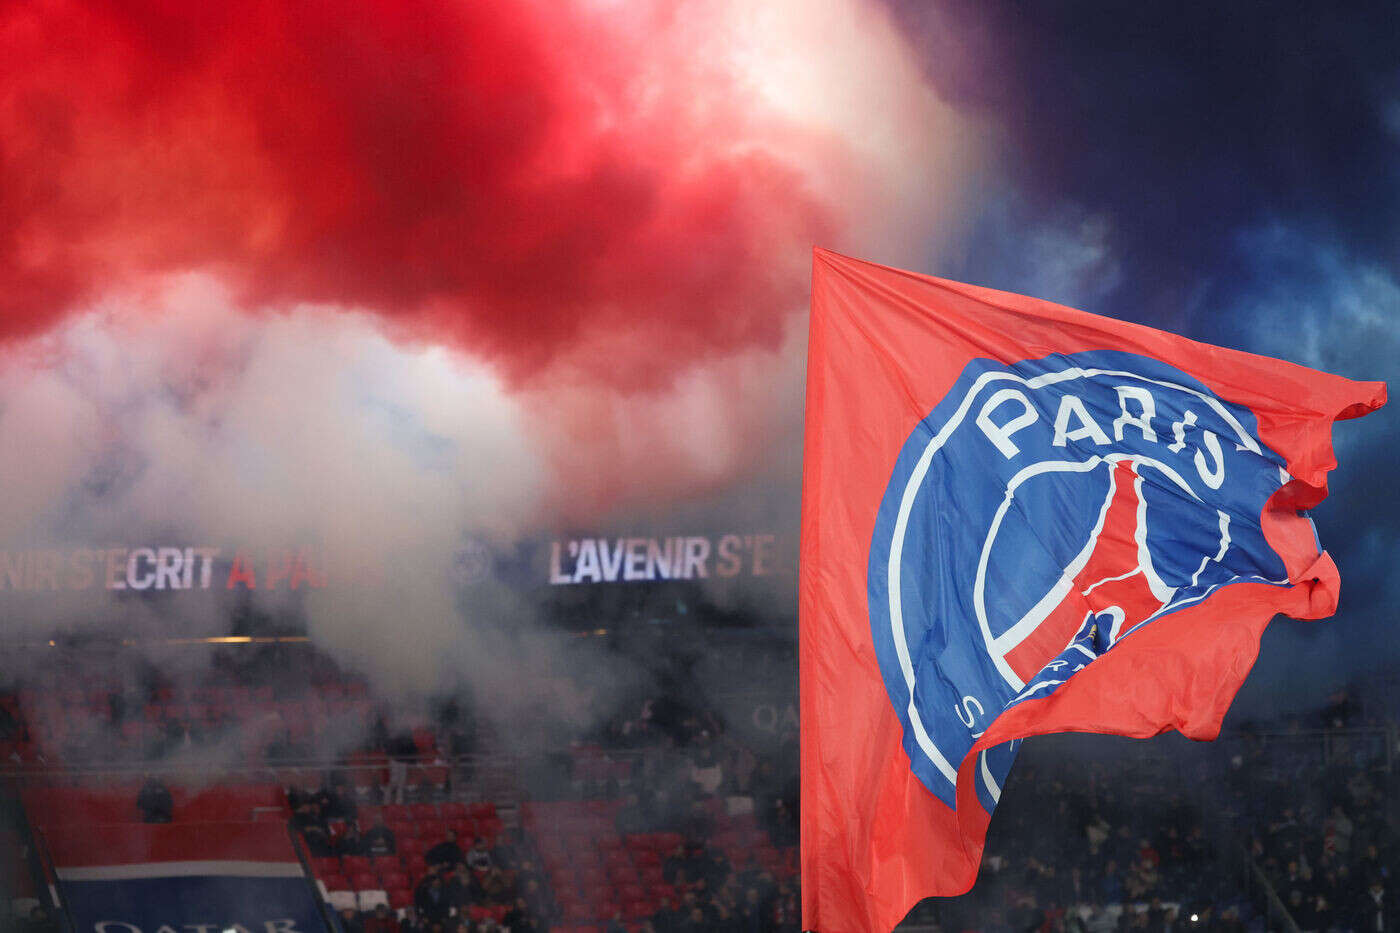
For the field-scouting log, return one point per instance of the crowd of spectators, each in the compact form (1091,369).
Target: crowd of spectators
(1141,841)
(1164,840)
(686,765)
(1132,842)
(479,885)
(1096,846)
(481,889)
(685,755)
(682,763)
(1315,819)
(713,895)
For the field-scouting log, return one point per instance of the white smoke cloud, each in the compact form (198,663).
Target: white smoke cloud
(173,418)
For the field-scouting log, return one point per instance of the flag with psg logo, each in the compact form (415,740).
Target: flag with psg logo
(1018,519)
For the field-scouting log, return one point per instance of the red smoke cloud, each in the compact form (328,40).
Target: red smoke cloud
(526,179)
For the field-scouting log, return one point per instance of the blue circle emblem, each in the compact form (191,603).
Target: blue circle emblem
(1040,513)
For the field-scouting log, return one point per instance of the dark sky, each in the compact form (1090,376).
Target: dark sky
(1229,171)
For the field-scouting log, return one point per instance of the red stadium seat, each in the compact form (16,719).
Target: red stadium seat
(400,897)
(336,883)
(367,780)
(395,879)
(430,778)
(424,811)
(454,811)
(622,874)
(585,856)
(365,881)
(355,864)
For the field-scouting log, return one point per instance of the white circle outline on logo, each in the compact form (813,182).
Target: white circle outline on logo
(911,489)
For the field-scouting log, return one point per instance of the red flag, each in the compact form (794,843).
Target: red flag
(1018,519)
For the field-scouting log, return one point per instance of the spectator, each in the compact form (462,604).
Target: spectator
(380,839)
(382,921)
(401,751)
(538,902)
(492,886)
(318,841)
(750,917)
(298,797)
(1378,910)
(350,921)
(431,900)
(1339,831)
(518,918)
(410,923)
(478,857)
(348,841)
(334,805)
(306,817)
(154,802)
(460,886)
(715,869)
(39,921)
(631,818)
(666,919)
(706,771)
(445,853)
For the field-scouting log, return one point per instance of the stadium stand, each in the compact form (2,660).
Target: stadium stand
(662,818)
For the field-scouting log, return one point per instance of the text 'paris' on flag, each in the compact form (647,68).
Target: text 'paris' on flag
(1018,519)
